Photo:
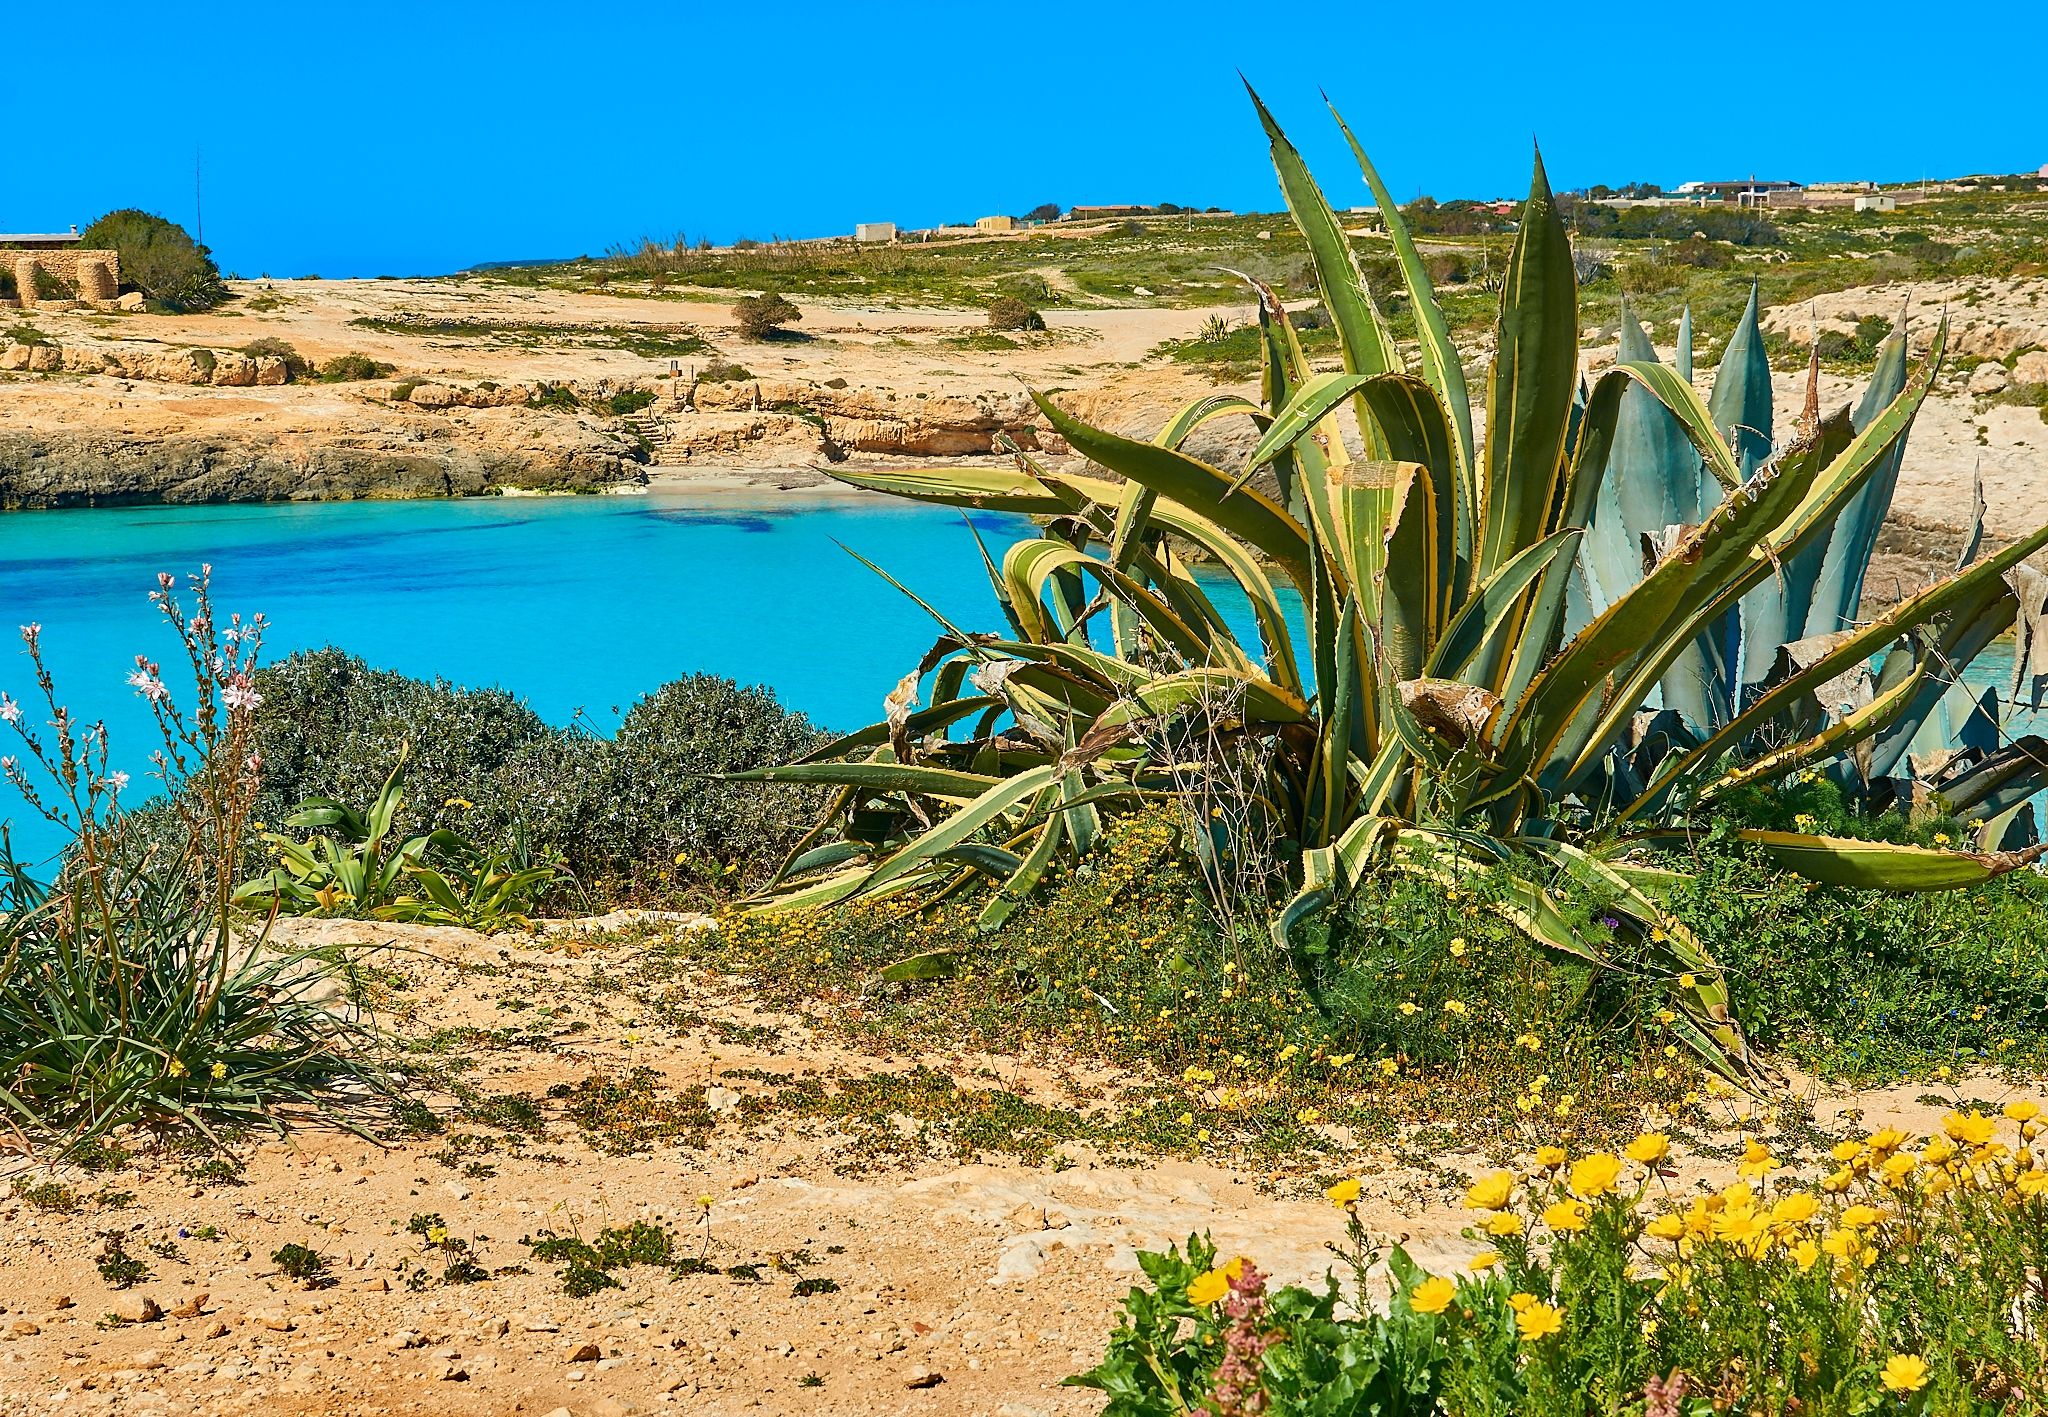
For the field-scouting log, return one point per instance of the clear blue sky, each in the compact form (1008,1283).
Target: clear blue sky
(376,138)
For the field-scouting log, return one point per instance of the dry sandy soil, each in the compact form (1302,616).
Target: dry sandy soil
(959,1285)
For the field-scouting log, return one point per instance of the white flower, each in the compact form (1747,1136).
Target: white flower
(9,709)
(148,685)
(117,780)
(239,695)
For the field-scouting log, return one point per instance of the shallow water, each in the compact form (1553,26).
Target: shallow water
(580,605)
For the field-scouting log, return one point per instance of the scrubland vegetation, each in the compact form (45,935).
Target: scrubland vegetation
(1489,831)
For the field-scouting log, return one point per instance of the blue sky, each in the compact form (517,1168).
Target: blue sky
(397,139)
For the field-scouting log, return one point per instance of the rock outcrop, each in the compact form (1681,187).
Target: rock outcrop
(43,468)
(859,420)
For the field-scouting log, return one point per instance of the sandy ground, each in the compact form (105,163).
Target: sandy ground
(958,1285)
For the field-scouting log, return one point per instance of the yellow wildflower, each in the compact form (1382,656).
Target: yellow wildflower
(1490,1192)
(1344,1192)
(1795,1209)
(1971,1129)
(1538,1322)
(1212,1285)
(1904,1373)
(1757,1162)
(1483,1261)
(219,1072)
(1505,1223)
(1649,1148)
(1594,1176)
(177,1068)
(1804,1254)
(2022,1111)
(1860,1217)
(1432,1296)
(1567,1216)
(1549,1158)
(1454,1006)
(1668,1226)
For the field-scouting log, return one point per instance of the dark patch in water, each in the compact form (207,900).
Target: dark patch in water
(751,522)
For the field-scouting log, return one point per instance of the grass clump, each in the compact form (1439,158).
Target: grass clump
(271,347)
(131,992)
(627,401)
(307,1266)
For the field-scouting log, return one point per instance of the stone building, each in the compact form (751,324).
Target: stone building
(91,276)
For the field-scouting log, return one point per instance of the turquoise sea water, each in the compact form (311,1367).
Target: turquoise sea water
(578,604)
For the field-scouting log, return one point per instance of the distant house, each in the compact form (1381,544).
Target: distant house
(995,223)
(1105,213)
(41,241)
(1876,202)
(1749,192)
(875,233)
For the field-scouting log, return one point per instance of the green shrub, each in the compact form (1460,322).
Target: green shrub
(723,371)
(762,317)
(158,258)
(658,797)
(627,401)
(555,396)
(25,334)
(618,810)
(271,347)
(1010,313)
(352,368)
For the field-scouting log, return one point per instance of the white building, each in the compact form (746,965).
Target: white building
(870,233)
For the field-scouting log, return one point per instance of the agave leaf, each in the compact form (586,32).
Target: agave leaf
(1485,613)
(1361,329)
(1197,486)
(998,489)
(877,777)
(1838,590)
(1883,865)
(1408,604)
(1851,728)
(1530,387)
(932,964)
(1729,558)
(1962,589)
(1441,366)
(1307,407)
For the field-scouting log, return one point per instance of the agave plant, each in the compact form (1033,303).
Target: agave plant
(1938,742)
(1471,687)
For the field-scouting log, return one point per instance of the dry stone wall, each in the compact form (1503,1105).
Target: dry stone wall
(94,275)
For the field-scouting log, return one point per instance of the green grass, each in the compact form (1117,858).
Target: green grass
(646,341)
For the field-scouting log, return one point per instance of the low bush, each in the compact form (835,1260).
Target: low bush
(353,368)
(556,396)
(1010,313)
(271,347)
(617,811)
(723,371)
(762,317)
(1904,1282)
